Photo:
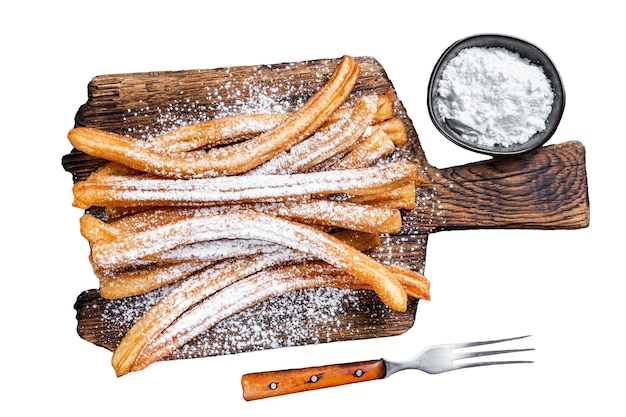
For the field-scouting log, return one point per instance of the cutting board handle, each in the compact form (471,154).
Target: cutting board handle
(545,189)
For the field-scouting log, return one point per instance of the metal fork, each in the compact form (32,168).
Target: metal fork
(433,360)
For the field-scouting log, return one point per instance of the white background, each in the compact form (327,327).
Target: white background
(563,287)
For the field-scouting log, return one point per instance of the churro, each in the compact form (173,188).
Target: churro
(227,129)
(369,150)
(251,225)
(135,281)
(228,160)
(249,291)
(401,198)
(382,141)
(219,131)
(322,212)
(331,139)
(181,262)
(145,191)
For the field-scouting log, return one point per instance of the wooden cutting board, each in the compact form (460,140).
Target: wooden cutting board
(544,189)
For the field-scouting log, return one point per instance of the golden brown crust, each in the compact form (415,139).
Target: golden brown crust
(401,197)
(144,190)
(123,251)
(227,129)
(164,271)
(219,131)
(228,160)
(249,291)
(322,212)
(331,139)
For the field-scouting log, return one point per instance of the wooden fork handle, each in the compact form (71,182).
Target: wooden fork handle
(273,383)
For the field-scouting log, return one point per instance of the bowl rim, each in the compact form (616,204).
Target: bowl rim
(539,57)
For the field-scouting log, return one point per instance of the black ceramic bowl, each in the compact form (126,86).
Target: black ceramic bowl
(526,50)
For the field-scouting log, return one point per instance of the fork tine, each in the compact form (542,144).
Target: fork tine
(487,363)
(465,355)
(486,342)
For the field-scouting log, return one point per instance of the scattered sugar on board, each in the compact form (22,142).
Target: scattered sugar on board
(258,93)
(296,318)
(408,251)
(122,313)
(308,316)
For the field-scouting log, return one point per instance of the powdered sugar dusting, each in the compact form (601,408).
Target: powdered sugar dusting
(265,89)
(123,313)
(308,316)
(313,316)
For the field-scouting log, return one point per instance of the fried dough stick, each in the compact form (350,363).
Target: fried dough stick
(172,265)
(401,198)
(181,298)
(380,140)
(141,280)
(136,281)
(331,139)
(395,130)
(218,131)
(320,212)
(384,109)
(252,225)
(229,248)
(147,278)
(370,150)
(178,263)
(253,290)
(384,221)
(380,143)
(227,129)
(203,285)
(143,190)
(120,284)
(341,214)
(149,271)
(227,160)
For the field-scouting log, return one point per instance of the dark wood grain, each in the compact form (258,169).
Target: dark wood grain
(545,189)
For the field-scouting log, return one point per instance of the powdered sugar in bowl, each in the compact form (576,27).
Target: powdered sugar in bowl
(496,95)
